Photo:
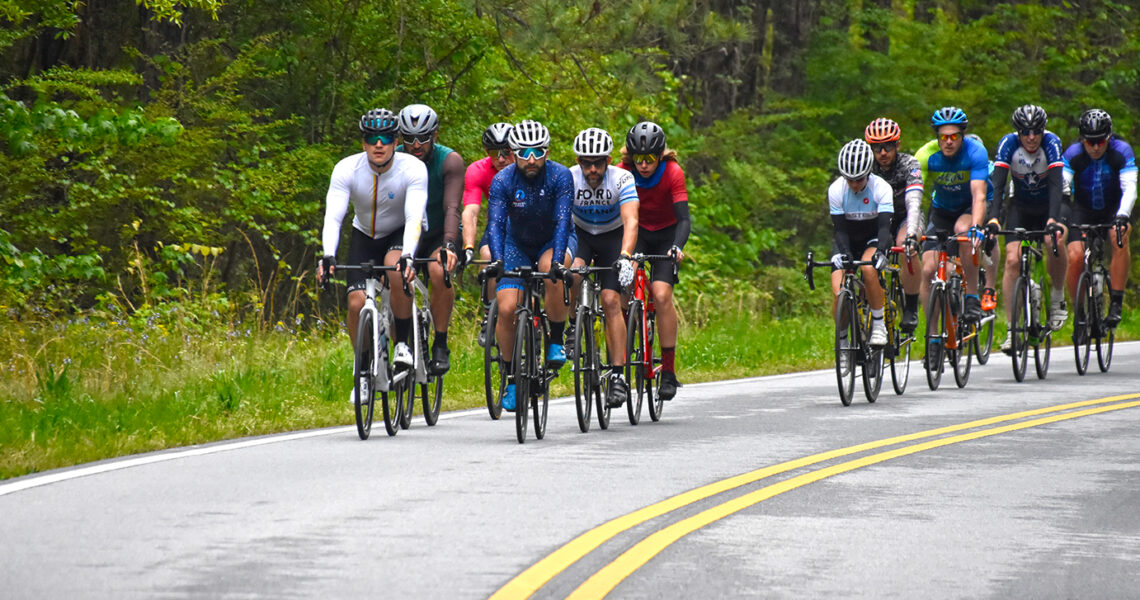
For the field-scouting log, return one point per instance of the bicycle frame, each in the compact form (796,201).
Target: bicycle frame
(950,270)
(641,293)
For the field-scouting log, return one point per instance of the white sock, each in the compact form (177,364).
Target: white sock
(877,313)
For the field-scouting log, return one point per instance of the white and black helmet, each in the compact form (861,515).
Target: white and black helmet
(593,142)
(495,136)
(418,119)
(855,159)
(529,134)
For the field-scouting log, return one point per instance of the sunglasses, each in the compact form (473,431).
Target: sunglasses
(1028,132)
(644,158)
(884,147)
(597,163)
(1096,141)
(949,137)
(380,137)
(501,153)
(529,153)
(416,139)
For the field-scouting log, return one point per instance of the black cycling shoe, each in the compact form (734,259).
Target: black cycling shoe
(1113,318)
(669,385)
(973,310)
(909,321)
(440,360)
(619,392)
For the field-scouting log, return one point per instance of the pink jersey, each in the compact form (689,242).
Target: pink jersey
(477,181)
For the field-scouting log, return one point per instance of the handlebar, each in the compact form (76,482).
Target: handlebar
(641,259)
(1089,227)
(1020,233)
(526,273)
(812,264)
(902,250)
(368,268)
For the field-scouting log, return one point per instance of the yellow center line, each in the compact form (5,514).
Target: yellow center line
(605,580)
(525,584)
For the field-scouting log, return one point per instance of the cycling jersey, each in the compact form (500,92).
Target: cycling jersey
(1104,185)
(855,215)
(904,175)
(442,220)
(599,210)
(477,181)
(658,193)
(948,178)
(531,213)
(382,203)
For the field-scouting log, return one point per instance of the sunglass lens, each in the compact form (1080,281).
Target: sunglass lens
(383,139)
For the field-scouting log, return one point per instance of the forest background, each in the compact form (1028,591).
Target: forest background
(163,163)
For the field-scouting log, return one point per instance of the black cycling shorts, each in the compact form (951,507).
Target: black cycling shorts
(658,242)
(362,248)
(942,221)
(601,249)
(1075,214)
(1026,218)
(862,235)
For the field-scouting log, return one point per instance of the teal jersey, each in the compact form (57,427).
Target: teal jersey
(434,211)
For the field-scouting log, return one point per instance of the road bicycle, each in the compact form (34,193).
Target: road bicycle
(948,335)
(423,328)
(588,334)
(532,374)
(852,332)
(642,369)
(1093,288)
(494,372)
(372,371)
(899,343)
(1029,321)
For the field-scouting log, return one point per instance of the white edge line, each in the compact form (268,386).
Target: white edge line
(56,476)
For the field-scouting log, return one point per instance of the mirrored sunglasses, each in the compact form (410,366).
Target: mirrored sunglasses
(380,137)
(1028,132)
(416,139)
(596,163)
(644,158)
(1096,141)
(529,153)
(949,137)
(500,153)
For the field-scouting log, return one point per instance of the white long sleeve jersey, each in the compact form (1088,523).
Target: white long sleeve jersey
(382,203)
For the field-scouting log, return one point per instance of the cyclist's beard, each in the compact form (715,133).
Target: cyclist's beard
(536,175)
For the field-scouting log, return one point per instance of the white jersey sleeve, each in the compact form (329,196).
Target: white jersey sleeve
(415,202)
(337,200)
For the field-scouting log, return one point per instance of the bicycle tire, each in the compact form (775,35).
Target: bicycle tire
(540,396)
(1019,326)
(1104,350)
(364,396)
(431,392)
(494,381)
(898,343)
(845,357)
(900,364)
(636,375)
(963,357)
(652,387)
(523,356)
(407,389)
(584,366)
(983,342)
(1106,335)
(1044,347)
(1082,323)
(935,337)
(601,407)
(873,374)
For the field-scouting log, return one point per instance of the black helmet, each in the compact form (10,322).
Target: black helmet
(379,121)
(1095,123)
(645,138)
(496,137)
(1029,116)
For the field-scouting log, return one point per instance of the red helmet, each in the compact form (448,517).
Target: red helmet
(882,130)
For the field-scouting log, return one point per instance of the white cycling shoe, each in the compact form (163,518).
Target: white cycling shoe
(878,333)
(403,355)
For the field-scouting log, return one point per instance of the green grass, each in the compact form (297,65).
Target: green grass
(82,391)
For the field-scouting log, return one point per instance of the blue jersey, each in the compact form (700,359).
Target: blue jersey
(532,213)
(1028,170)
(1100,184)
(948,178)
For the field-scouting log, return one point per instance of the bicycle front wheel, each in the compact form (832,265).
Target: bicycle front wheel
(541,393)
(585,366)
(873,373)
(898,344)
(847,342)
(935,336)
(637,372)
(983,343)
(494,380)
(365,392)
(652,386)
(1019,328)
(1044,345)
(1105,335)
(1082,319)
(526,364)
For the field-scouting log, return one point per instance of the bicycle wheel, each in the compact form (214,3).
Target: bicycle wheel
(652,391)
(362,378)
(962,357)
(846,345)
(983,343)
(1105,335)
(600,404)
(585,366)
(897,350)
(1019,328)
(636,375)
(1044,334)
(1082,323)
(525,366)
(540,395)
(494,381)
(873,373)
(935,336)
(431,392)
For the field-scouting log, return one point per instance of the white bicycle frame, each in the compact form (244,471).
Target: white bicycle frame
(419,355)
(380,323)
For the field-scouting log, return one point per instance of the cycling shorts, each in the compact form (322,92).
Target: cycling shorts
(1026,218)
(521,256)
(1075,214)
(658,242)
(942,221)
(601,249)
(862,235)
(362,248)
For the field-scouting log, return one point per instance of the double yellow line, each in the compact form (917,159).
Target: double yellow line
(605,580)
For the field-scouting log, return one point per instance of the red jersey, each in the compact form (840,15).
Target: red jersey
(658,193)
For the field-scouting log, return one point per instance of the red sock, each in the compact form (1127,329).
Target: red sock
(667,356)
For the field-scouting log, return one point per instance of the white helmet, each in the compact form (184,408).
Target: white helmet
(418,119)
(529,134)
(855,159)
(593,142)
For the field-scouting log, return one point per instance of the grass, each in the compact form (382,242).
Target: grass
(83,390)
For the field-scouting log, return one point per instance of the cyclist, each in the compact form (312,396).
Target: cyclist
(902,171)
(956,171)
(605,218)
(477,185)
(862,208)
(1032,155)
(1100,171)
(529,224)
(663,228)
(388,191)
(419,129)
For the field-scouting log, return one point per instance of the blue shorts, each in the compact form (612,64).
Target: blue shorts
(515,256)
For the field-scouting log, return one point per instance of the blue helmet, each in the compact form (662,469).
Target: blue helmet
(949,115)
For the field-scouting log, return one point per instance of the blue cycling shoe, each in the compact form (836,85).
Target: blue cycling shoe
(508,399)
(555,355)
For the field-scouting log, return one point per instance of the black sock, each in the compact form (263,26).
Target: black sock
(403,329)
(1117,297)
(440,340)
(911,302)
(556,332)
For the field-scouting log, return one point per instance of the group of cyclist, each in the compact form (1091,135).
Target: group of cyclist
(876,203)
(416,200)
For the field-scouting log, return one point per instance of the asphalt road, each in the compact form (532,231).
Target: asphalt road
(1030,505)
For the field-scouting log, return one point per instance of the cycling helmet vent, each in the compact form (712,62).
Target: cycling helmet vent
(495,136)
(881,131)
(593,142)
(418,119)
(1029,116)
(645,138)
(949,115)
(379,121)
(855,159)
(529,134)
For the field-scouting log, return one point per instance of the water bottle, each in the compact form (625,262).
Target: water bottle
(1035,296)
(1098,285)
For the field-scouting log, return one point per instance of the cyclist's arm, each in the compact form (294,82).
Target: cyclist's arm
(885,200)
(842,238)
(470,220)
(497,217)
(996,209)
(978,190)
(453,171)
(563,205)
(684,224)
(1054,181)
(415,202)
(629,222)
(885,239)
(336,206)
(1127,184)
(913,196)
